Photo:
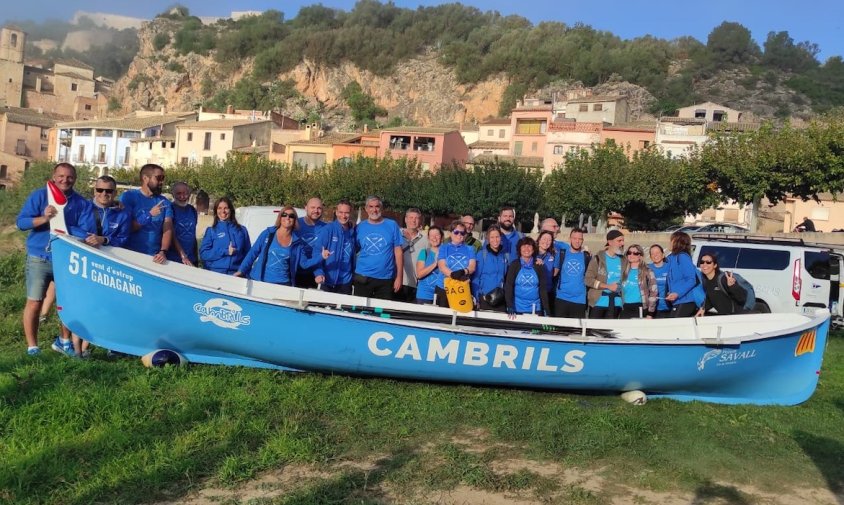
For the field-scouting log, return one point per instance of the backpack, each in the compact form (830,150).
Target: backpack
(750,302)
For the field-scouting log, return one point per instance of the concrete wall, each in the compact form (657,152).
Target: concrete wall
(14,168)
(11,87)
(631,140)
(10,133)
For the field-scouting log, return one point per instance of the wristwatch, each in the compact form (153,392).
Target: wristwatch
(105,240)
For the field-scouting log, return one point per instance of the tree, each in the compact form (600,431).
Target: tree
(731,43)
(781,52)
(364,108)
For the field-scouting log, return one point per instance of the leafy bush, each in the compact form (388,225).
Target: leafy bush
(175,66)
(160,41)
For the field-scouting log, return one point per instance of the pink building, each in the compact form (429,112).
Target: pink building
(632,137)
(529,123)
(430,146)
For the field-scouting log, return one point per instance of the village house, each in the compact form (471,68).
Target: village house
(632,137)
(431,147)
(201,141)
(710,111)
(494,136)
(568,137)
(611,109)
(24,137)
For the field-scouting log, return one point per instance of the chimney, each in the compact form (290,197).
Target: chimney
(229,109)
(365,128)
(309,132)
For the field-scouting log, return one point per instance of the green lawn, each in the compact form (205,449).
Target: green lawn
(115,432)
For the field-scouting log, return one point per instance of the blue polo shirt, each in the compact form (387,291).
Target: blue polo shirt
(375,244)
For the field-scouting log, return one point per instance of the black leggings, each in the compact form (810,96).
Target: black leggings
(687,309)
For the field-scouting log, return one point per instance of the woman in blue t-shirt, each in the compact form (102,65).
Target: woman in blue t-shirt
(525,286)
(427,274)
(660,270)
(455,260)
(491,264)
(638,286)
(547,257)
(225,242)
(277,253)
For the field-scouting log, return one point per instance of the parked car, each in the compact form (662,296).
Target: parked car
(688,228)
(721,228)
(787,275)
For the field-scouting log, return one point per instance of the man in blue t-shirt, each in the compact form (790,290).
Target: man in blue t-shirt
(603,278)
(183,248)
(334,273)
(509,235)
(571,290)
(378,272)
(35,217)
(309,227)
(152,215)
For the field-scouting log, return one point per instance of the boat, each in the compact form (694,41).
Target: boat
(121,300)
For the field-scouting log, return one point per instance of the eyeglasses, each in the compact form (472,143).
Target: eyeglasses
(633,253)
(104,190)
(290,215)
(458,233)
(706,262)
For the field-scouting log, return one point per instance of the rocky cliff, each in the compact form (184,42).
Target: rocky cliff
(421,89)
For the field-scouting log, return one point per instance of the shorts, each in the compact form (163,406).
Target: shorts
(39,274)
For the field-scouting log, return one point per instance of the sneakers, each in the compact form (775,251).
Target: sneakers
(33,351)
(65,348)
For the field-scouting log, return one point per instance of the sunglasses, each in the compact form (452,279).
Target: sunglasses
(458,233)
(104,190)
(706,262)
(633,253)
(290,215)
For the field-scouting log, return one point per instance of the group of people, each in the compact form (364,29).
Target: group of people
(506,271)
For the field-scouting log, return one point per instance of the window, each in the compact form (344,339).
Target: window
(81,154)
(126,156)
(423,143)
(207,144)
(184,161)
(558,149)
(598,107)
(534,146)
(150,146)
(517,149)
(530,127)
(172,144)
(14,40)
(74,86)
(584,107)
(222,136)
(700,114)
(490,132)
(817,264)
(163,144)
(501,133)
(3,171)
(399,142)
(101,155)
(190,136)
(644,144)
(43,148)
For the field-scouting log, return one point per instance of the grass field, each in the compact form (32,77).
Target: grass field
(114,432)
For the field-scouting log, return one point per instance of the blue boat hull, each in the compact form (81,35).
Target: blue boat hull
(118,305)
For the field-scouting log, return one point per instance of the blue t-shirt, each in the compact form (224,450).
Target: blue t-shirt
(376,244)
(184,230)
(426,285)
(309,234)
(661,274)
(457,257)
(549,262)
(613,275)
(278,264)
(572,272)
(147,239)
(526,290)
(630,287)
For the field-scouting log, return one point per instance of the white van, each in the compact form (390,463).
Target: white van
(787,275)
(258,218)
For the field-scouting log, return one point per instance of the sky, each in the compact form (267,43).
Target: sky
(818,21)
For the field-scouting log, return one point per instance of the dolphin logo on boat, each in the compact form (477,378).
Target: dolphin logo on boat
(706,357)
(223,313)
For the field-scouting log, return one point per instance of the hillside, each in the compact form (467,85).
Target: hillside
(454,63)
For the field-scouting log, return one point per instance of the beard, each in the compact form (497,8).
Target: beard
(505,226)
(155,191)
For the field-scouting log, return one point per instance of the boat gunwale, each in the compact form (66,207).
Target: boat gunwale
(811,321)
